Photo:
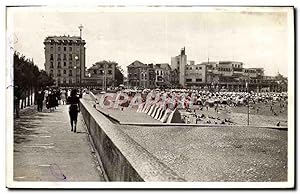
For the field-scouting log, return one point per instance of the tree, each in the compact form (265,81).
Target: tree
(27,79)
(119,76)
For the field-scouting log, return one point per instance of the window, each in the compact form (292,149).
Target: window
(70,64)
(200,67)
(51,48)
(58,73)
(95,71)
(188,80)
(65,81)
(70,72)
(65,57)
(65,72)
(70,81)
(51,64)
(70,49)
(58,57)
(198,80)
(51,57)
(65,63)
(70,57)
(101,65)
(58,48)
(109,66)
(109,72)
(65,48)
(58,64)
(51,72)
(101,72)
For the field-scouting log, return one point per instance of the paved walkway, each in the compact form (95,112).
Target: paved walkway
(45,149)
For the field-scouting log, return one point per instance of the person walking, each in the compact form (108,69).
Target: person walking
(39,100)
(73,101)
(63,96)
(51,101)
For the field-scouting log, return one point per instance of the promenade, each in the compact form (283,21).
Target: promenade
(45,149)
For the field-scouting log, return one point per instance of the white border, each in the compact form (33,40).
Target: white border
(291,144)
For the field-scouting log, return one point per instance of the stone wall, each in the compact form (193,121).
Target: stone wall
(122,158)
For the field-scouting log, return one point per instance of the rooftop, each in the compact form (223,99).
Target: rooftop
(163,66)
(97,64)
(228,62)
(63,39)
(137,64)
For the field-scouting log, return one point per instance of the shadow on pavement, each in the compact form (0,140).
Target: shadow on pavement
(25,126)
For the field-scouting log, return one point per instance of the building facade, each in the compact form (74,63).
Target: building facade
(141,75)
(214,76)
(162,74)
(195,74)
(101,74)
(65,59)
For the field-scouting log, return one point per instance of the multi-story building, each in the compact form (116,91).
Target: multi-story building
(65,59)
(229,70)
(101,74)
(141,75)
(216,76)
(195,74)
(179,62)
(212,73)
(162,74)
(174,78)
(254,73)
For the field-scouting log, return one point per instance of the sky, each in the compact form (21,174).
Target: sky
(258,38)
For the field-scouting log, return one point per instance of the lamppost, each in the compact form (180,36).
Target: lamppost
(104,77)
(89,85)
(75,75)
(80,29)
(77,59)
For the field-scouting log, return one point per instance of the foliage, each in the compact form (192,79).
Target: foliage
(27,76)
(119,76)
(119,72)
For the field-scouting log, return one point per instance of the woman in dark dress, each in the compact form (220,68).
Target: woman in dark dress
(73,101)
(51,101)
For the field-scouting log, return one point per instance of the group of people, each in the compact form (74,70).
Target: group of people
(52,98)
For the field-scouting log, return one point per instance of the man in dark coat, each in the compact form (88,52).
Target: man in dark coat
(39,100)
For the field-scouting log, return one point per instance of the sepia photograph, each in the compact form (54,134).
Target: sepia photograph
(150,97)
